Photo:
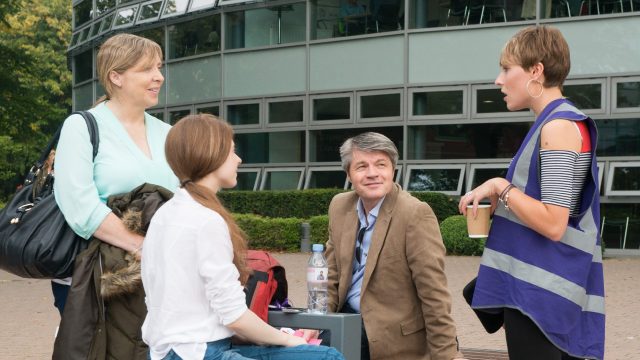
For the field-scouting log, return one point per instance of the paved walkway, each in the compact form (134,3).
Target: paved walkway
(28,318)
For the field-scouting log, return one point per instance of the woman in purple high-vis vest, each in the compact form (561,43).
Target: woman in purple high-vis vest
(542,264)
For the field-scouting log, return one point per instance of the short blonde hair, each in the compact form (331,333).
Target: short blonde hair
(122,52)
(540,44)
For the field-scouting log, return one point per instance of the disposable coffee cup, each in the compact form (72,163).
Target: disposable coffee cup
(478,227)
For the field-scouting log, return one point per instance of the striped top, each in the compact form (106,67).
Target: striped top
(563,173)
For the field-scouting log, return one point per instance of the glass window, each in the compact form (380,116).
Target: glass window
(83,66)
(155,34)
(325,143)
(442,178)
(584,96)
(331,108)
(103,6)
(82,12)
(335,18)
(618,137)
(83,35)
(623,179)
(243,114)
(95,29)
(620,225)
(83,97)
(125,2)
(266,26)
(106,23)
(149,11)
(159,114)
(490,101)
(462,141)
(194,37)
(213,110)
(125,17)
(282,179)
(74,39)
(381,106)
(175,7)
(272,147)
(176,115)
(99,90)
(286,111)
(426,103)
(479,173)
(628,94)
(201,4)
(247,179)
(326,178)
(425,13)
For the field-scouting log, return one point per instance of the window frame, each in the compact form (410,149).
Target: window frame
(105,23)
(267,116)
(311,106)
(171,109)
(474,105)
(465,105)
(191,3)
(358,105)
(259,101)
(258,172)
(151,19)
(603,92)
(611,174)
(117,13)
(157,110)
(473,167)
(456,192)
(300,169)
(177,13)
(209,104)
(614,95)
(324,168)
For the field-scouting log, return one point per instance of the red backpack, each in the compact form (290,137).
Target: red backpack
(267,285)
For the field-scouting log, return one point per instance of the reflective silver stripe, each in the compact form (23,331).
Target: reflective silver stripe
(543,279)
(572,237)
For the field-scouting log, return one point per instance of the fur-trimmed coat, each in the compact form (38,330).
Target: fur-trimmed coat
(105,309)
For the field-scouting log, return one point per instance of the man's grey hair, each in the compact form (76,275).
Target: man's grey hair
(368,142)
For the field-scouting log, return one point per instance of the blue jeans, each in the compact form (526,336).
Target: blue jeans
(224,350)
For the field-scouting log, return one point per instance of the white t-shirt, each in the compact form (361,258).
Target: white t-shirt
(192,286)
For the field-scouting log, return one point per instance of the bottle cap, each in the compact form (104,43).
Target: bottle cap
(317,247)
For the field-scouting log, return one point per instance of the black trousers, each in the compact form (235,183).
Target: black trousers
(525,341)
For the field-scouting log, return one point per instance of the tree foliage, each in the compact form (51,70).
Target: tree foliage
(35,82)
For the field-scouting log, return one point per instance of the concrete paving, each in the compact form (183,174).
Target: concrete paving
(28,319)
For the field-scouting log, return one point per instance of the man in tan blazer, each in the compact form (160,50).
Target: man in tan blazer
(386,259)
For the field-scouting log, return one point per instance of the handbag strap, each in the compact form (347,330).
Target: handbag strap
(94,136)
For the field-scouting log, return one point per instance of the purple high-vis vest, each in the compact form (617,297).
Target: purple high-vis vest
(559,285)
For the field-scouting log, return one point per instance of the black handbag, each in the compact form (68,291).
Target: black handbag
(35,239)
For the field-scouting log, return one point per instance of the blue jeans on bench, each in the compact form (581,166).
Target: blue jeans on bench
(224,350)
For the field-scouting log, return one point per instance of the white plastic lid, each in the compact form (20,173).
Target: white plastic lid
(317,247)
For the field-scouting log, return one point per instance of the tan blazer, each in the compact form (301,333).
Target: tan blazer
(405,303)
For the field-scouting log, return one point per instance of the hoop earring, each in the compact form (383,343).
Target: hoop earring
(529,91)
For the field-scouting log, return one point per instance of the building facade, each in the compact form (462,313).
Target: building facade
(296,78)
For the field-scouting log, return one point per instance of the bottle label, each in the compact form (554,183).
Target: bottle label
(317,275)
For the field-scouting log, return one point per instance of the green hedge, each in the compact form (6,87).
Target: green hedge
(309,203)
(281,234)
(456,238)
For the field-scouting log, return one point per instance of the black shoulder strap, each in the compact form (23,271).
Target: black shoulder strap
(92,125)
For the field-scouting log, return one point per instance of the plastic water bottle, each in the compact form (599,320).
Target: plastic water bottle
(317,272)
